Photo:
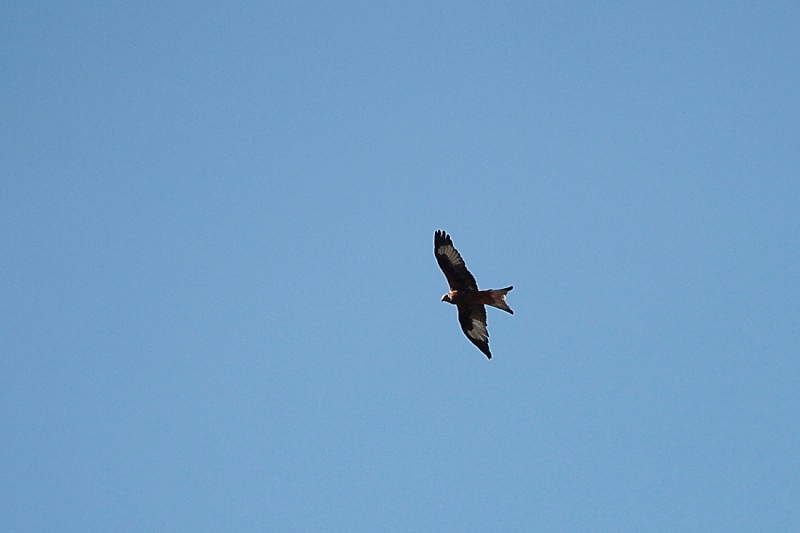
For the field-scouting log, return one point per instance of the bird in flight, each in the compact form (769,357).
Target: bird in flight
(464,293)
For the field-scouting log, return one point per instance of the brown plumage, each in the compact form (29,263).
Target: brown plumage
(464,293)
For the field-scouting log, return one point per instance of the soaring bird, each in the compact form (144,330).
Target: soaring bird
(464,293)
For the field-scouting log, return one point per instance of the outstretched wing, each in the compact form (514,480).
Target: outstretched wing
(451,263)
(473,322)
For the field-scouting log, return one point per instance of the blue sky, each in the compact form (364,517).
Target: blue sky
(221,308)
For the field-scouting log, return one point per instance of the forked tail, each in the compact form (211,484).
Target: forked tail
(499,299)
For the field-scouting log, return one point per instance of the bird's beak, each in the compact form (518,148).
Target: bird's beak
(445,298)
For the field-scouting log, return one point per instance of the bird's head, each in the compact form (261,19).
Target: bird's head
(446,298)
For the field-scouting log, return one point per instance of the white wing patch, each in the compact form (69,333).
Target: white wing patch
(478,330)
(451,254)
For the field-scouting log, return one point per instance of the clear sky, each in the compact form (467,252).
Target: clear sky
(220,305)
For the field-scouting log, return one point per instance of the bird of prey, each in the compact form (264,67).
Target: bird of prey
(464,293)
